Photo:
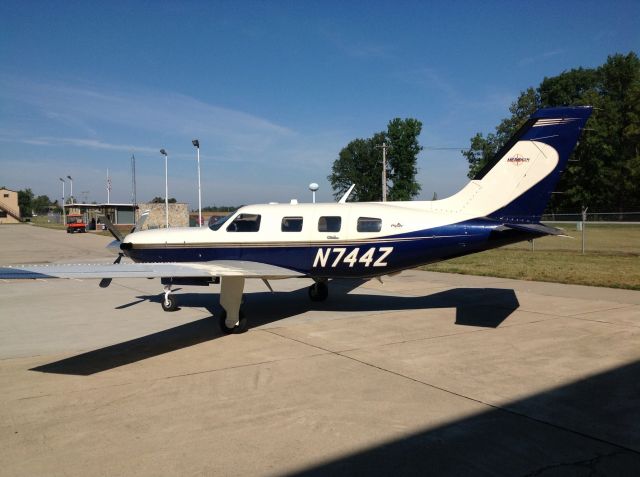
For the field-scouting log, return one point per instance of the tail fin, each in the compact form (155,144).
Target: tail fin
(524,173)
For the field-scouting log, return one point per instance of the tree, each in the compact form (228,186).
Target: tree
(360,163)
(604,170)
(41,204)
(483,148)
(403,157)
(160,200)
(25,197)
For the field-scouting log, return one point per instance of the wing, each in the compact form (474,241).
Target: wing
(220,268)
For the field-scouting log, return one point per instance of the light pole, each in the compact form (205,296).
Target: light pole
(166,188)
(71,193)
(64,217)
(313,187)
(196,143)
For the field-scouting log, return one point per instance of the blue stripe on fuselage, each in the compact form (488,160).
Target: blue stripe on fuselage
(335,259)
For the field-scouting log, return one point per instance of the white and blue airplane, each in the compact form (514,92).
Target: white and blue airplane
(503,204)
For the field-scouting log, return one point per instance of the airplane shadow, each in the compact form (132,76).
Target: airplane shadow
(565,430)
(485,307)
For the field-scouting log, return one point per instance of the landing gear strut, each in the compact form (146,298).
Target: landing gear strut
(232,319)
(319,291)
(169,302)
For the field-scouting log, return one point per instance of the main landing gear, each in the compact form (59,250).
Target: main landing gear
(232,319)
(319,291)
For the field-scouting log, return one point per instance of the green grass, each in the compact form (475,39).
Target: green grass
(612,259)
(42,222)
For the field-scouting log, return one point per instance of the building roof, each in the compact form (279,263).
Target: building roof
(96,206)
(112,205)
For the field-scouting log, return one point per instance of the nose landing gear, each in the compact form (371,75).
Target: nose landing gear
(169,302)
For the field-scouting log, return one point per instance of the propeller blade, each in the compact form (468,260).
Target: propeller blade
(143,218)
(114,231)
(105,282)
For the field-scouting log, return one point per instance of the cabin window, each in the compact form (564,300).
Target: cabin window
(369,224)
(245,223)
(6,195)
(291,224)
(3,214)
(329,224)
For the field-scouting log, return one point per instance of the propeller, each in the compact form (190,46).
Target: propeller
(115,244)
(105,282)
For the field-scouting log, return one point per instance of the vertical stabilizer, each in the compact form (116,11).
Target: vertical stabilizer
(516,185)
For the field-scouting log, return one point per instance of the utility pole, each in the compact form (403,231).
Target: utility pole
(384,148)
(108,188)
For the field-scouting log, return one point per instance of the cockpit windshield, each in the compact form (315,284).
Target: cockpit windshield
(216,222)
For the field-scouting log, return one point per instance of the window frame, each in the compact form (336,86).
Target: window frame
(297,218)
(241,218)
(369,220)
(328,230)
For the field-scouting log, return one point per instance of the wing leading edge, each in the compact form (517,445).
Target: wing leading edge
(221,268)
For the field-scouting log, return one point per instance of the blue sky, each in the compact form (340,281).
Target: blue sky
(273,90)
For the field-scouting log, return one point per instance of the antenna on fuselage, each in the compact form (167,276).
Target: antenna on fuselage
(346,195)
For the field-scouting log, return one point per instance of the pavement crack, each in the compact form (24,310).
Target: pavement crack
(586,464)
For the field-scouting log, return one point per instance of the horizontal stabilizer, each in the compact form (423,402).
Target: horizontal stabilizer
(534,228)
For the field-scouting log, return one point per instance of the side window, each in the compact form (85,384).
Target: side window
(291,224)
(369,224)
(245,223)
(329,224)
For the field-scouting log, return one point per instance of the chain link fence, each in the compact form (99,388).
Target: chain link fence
(616,233)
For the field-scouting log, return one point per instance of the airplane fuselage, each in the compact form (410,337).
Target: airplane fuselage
(327,240)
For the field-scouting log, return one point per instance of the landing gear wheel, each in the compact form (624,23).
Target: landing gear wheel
(240,327)
(319,291)
(169,303)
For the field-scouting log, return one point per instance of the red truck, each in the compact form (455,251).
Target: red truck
(75,223)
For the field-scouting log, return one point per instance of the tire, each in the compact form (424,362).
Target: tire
(172,305)
(241,327)
(319,291)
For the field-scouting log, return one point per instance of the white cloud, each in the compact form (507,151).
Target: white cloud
(88,109)
(89,143)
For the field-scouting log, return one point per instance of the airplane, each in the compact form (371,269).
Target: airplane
(501,205)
